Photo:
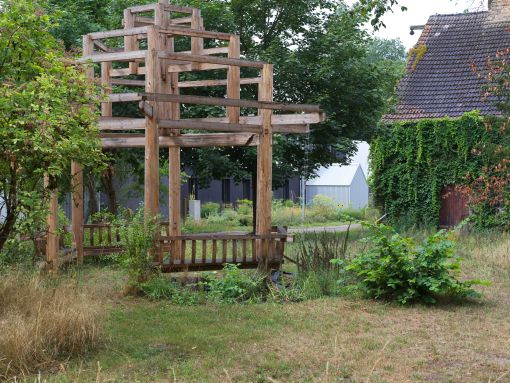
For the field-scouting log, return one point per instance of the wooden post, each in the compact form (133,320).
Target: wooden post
(197,43)
(77,209)
(152,81)
(234,79)
(130,42)
(264,170)
(106,81)
(52,239)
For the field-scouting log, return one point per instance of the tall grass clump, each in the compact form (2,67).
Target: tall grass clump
(42,326)
(320,259)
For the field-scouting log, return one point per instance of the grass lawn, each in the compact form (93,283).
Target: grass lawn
(326,340)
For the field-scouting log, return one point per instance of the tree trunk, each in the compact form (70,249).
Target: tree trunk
(93,204)
(107,180)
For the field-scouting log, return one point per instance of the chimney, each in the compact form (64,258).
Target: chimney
(499,10)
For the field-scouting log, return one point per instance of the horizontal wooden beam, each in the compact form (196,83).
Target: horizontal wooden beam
(114,56)
(118,33)
(211,60)
(207,83)
(199,67)
(141,21)
(121,123)
(200,100)
(188,84)
(181,31)
(128,82)
(213,126)
(142,8)
(178,8)
(124,97)
(185,141)
(276,119)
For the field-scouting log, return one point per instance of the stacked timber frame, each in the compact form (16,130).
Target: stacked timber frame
(155,74)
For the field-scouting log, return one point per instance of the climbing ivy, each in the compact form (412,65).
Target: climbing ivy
(411,162)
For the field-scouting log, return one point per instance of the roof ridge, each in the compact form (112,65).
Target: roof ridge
(458,14)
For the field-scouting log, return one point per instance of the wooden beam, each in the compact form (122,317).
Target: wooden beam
(182,31)
(153,79)
(198,67)
(113,56)
(52,238)
(264,170)
(130,42)
(142,8)
(208,83)
(106,81)
(183,141)
(212,126)
(102,46)
(128,82)
(77,212)
(200,100)
(234,79)
(178,9)
(124,97)
(211,60)
(121,123)
(278,119)
(118,33)
(147,109)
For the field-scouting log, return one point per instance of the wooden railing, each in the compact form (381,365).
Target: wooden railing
(193,251)
(212,251)
(101,238)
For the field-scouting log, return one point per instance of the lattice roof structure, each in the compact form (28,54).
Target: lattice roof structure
(145,60)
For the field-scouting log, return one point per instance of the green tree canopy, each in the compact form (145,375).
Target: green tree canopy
(47,114)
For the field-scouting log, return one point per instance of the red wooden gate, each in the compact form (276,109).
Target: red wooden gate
(454,207)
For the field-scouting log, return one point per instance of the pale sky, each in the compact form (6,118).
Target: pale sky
(418,12)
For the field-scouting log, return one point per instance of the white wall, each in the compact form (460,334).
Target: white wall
(359,191)
(339,194)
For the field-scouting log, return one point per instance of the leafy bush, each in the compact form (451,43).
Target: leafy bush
(227,217)
(210,208)
(398,268)
(233,286)
(138,238)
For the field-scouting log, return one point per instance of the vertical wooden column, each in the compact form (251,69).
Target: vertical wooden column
(264,169)
(52,239)
(77,205)
(106,81)
(77,209)
(234,79)
(152,81)
(130,42)
(197,43)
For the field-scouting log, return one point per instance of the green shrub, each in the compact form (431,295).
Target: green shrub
(138,238)
(398,268)
(234,286)
(158,287)
(227,217)
(210,208)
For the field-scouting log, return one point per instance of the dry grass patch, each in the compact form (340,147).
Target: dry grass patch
(42,325)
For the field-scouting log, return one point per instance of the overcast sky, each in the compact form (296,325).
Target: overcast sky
(397,23)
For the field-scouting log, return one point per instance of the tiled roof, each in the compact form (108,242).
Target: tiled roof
(443,82)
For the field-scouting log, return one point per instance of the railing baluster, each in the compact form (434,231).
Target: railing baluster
(183,251)
(214,250)
(224,251)
(109,232)
(245,250)
(91,239)
(204,251)
(193,251)
(117,233)
(234,251)
(254,250)
(100,229)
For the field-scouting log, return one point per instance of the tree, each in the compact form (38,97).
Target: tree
(47,115)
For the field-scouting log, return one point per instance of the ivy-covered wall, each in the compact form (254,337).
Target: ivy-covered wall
(411,163)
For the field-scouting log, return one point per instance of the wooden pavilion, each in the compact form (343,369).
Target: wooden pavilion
(149,64)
